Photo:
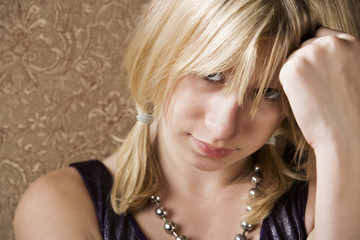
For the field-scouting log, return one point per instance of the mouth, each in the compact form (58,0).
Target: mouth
(212,151)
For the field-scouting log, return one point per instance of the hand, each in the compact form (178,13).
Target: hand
(322,83)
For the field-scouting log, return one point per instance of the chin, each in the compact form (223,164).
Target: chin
(208,165)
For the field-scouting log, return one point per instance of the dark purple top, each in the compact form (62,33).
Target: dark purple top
(285,222)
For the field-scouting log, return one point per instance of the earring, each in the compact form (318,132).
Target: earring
(271,141)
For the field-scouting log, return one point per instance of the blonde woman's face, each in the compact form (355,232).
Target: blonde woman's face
(205,126)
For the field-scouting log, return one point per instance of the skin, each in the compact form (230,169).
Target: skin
(320,80)
(202,110)
(324,74)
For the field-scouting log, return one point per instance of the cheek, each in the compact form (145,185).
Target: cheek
(267,119)
(274,114)
(185,106)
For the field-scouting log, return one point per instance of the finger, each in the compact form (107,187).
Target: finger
(327,32)
(323,32)
(320,32)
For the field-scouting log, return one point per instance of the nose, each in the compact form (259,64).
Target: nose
(223,117)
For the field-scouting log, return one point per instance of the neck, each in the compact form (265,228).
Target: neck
(187,189)
(183,178)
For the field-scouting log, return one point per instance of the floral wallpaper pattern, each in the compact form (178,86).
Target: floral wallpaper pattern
(63,89)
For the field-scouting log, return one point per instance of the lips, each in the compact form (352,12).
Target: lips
(211,151)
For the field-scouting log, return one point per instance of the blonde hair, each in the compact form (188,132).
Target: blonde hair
(175,38)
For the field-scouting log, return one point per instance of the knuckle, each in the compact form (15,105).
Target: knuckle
(329,41)
(296,66)
(334,42)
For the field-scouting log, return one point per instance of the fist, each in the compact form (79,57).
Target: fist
(322,83)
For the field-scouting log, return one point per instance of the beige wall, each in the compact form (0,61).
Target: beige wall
(63,90)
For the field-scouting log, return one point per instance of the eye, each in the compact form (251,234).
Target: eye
(216,77)
(271,93)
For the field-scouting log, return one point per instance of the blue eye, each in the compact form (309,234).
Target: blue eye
(216,77)
(271,93)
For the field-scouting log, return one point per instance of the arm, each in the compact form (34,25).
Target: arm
(322,83)
(56,206)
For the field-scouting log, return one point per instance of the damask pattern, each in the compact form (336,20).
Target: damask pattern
(63,89)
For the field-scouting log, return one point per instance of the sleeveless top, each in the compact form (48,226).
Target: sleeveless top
(285,222)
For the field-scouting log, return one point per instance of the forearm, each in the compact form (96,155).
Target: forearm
(337,211)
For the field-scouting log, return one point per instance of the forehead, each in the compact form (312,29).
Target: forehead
(231,39)
(259,71)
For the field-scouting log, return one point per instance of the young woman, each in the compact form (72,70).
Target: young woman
(248,128)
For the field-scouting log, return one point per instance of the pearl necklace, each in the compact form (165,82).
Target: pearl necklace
(170,227)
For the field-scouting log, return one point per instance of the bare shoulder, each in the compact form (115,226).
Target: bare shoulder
(57,206)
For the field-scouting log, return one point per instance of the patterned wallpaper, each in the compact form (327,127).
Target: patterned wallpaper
(63,91)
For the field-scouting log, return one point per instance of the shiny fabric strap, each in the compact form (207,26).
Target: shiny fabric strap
(99,181)
(287,218)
